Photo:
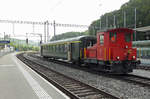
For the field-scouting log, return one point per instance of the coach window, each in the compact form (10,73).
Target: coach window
(57,48)
(45,47)
(63,47)
(49,47)
(66,48)
(101,39)
(52,48)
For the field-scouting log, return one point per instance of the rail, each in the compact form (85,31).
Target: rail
(73,88)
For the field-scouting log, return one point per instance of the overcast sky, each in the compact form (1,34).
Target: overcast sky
(63,11)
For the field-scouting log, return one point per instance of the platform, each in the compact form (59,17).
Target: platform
(145,61)
(18,81)
(143,73)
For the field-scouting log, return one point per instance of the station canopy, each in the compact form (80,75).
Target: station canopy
(143,29)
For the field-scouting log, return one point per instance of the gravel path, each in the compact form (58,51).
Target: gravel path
(113,86)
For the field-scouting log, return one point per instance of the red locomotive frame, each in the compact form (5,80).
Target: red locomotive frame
(113,51)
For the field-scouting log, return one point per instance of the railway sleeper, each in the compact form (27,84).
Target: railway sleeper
(81,88)
(80,94)
(65,83)
(87,94)
(83,91)
(96,97)
(72,86)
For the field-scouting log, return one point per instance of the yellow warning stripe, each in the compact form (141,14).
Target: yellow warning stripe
(80,53)
(85,53)
(140,53)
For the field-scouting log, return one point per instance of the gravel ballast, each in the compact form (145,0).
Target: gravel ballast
(118,88)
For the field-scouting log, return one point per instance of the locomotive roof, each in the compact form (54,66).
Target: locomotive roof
(79,38)
(117,30)
(120,30)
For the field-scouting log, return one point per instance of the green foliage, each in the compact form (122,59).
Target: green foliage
(142,19)
(143,16)
(68,35)
(22,46)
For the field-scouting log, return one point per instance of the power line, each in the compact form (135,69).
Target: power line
(46,25)
(42,23)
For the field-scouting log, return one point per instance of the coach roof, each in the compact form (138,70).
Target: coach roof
(70,40)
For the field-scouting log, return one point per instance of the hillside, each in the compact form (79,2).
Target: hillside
(142,16)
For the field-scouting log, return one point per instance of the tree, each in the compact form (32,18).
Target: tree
(143,16)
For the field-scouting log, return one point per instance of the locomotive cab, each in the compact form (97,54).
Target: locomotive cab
(120,45)
(114,45)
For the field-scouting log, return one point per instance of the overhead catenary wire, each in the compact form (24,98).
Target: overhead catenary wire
(42,23)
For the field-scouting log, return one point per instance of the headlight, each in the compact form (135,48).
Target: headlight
(133,57)
(126,46)
(118,57)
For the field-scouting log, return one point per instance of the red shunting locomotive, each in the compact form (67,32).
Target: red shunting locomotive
(113,51)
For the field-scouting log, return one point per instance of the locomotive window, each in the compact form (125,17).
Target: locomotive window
(91,43)
(112,36)
(128,37)
(101,39)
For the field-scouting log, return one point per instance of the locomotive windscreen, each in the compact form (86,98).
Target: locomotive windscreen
(127,37)
(112,36)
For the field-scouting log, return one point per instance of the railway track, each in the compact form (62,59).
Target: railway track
(144,81)
(73,88)
(143,67)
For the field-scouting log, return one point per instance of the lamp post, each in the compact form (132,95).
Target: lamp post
(124,19)
(100,24)
(54,29)
(114,21)
(45,32)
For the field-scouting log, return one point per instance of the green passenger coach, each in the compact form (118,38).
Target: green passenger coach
(71,49)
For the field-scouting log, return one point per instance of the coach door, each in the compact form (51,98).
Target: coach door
(75,51)
(69,51)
